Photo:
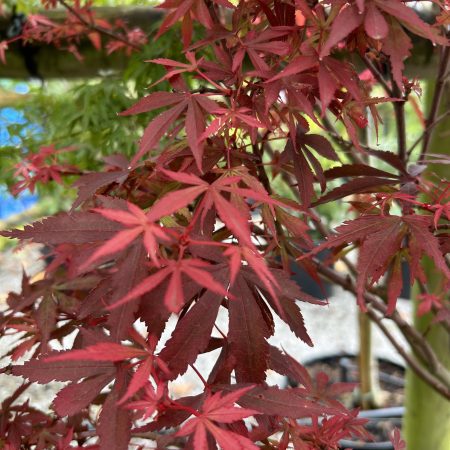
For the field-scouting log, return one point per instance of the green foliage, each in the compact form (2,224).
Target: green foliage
(31,6)
(84,114)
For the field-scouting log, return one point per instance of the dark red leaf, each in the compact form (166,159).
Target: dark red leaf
(247,334)
(41,370)
(75,228)
(76,396)
(192,334)
(347,21)
(114,423)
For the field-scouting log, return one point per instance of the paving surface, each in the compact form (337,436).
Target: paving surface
(333,329)
(12,265)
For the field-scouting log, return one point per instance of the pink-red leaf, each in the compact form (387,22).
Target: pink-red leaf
(347,21)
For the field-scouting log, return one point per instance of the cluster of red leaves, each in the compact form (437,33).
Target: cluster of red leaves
(192,226)
(41,167)
(79,23)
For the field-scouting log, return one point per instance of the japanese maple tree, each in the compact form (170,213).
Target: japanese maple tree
(267,94)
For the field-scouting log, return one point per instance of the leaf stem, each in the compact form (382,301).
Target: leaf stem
(176,405)
(199,375)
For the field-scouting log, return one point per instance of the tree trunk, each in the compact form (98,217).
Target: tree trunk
(427,420)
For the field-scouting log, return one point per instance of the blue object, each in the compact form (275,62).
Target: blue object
(10,205)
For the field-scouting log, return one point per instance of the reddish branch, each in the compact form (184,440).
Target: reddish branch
(94,27)
(415,339)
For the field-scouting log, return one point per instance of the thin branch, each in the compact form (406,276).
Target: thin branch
(410,359)
(347,146)
(428,128)
(400,122)
(260,167)
(414,338)
(95,27)
(378,75)
(437,97)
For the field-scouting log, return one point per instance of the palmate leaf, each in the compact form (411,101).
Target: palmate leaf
(220,409)
(382,20)
(111,352)
(137,223)
(381,239)
(192,334)
(213,196)
(247,334)
(198,106)
(75,228)
(41,370)
(293,403)
(298,150)
(254,43)
(174,298)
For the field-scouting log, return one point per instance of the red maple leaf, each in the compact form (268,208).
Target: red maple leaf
(381,238)
(188,11)
(255,43)
(397,441)
(299,152)
(232,215)
(382,20)
(174,297)
(150,399)
(137,223)
(219,409)
(36,168)
(112,352)
(198,106)
(428,302)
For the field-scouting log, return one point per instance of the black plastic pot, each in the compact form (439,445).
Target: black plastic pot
(377,418)
(394,414)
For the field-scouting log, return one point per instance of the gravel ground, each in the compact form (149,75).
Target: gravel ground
(333,329)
